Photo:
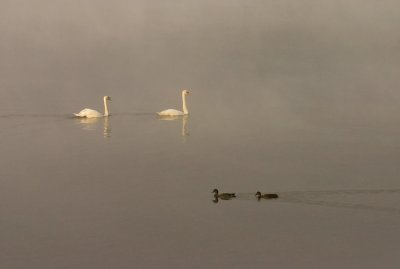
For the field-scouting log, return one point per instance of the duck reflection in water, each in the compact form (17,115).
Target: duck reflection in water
(222,196)
(266,196)
(93,124)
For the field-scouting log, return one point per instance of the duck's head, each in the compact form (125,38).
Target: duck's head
(215,191)
(258,194)
(108,98)
(185,92)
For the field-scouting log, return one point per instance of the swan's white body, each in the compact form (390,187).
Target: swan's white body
(91,113)
(174,112)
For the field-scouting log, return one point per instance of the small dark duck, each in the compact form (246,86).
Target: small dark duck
(223,196)
(266,195)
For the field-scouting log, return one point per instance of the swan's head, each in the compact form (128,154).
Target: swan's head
(185,92)
(258,194)
(215,191)
(108,98)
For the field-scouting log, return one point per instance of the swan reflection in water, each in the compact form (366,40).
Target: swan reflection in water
(184,118)
(93,124)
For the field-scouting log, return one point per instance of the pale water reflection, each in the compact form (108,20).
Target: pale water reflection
(93,124)
(184,119)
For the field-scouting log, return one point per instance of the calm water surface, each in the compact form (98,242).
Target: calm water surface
(135,191)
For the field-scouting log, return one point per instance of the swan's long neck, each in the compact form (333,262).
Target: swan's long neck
(105,107)
(185,110)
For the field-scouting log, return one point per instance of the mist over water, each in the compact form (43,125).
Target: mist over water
(294,97)
(291,57)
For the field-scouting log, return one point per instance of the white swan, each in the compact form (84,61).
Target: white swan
(90,113)
(174,112)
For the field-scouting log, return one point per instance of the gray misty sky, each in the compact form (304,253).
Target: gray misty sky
(290,57)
